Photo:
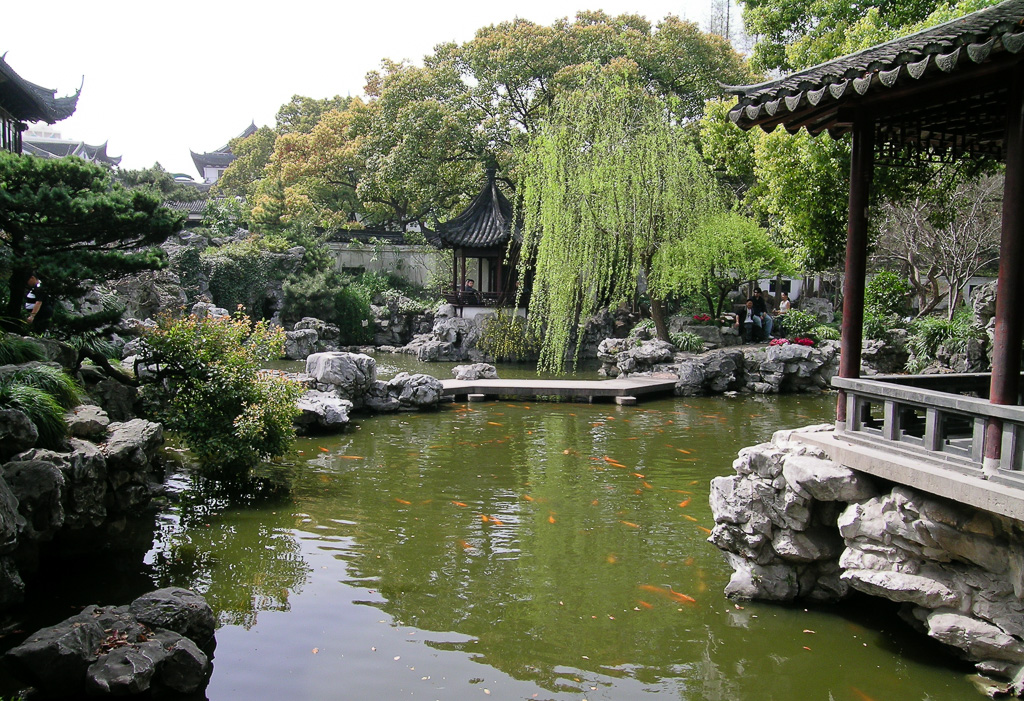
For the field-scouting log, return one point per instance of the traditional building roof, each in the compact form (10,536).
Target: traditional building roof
(30,102)
(221,157)
(485,223)
(943,89)
(50,148)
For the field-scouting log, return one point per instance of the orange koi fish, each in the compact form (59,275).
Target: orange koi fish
(637,474)
(633,438)
(403,501)
(689,518)
(483,517)
(527,497)
(458,503)
(856,692)
(681,597)
(551,518)
(465,545)
(644,604)
(629,523)
(684,503)
(493,423)
(682,491)
(594,503)
(351,457)
(706,530)
(324,450)
(647,485)
(496,522)
(611,559)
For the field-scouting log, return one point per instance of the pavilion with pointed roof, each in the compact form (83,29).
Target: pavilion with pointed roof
(22,102)
(212,165)
(486,247)
(952,91)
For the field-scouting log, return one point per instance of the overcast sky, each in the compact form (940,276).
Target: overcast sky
(164,78)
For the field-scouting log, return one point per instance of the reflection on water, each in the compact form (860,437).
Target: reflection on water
(532,550)
(517,550)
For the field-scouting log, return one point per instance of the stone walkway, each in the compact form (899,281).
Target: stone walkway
(623,390)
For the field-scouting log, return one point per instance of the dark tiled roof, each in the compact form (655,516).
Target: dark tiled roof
(813,97)
(30,102)
(221,157)
(193,207)
(58,149)
(485,223)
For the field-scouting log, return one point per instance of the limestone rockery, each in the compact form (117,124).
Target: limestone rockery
(795,525)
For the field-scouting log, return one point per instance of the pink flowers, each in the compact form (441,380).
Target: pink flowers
(778,342)
(802,341)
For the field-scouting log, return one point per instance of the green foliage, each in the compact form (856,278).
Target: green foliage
(67,219)
(507,337)
(886,294)
(334,298)
(17,349)
(825,332)
(880,326)
(724,251)
(800,323)
(251,156)
(687,341)
(43,393)
(607,182)
(159,182)
(222,216)
(240,271)
(187,263)
(229,412)
(930,333)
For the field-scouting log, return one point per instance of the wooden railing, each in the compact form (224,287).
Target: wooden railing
(937,417)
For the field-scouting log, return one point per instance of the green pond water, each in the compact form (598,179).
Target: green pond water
(504,550)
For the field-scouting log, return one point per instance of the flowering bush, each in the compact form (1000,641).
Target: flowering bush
(779,342)
(804,341)
(702,318)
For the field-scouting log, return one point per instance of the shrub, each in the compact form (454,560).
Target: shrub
(879,326)
(240,271)
(333,297)
(17,349)
(824,332)
(209,382)
(800,323)
(43,393)
(507,337)
(886,294)
(929,334)
(687,341)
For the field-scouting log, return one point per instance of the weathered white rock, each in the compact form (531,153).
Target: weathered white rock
(825,480)
(323,409)
(87,421)
(349,374)
(978,639)
(899,586)
(300,344)
(475,371)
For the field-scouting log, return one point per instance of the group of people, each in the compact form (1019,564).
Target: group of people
(755,321)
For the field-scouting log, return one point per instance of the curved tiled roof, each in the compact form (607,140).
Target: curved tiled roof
(30,102)
(485,223)
(221,157)
(813,97)
(45,148)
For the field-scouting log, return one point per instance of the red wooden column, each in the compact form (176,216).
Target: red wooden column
(861,166)
(1009,307)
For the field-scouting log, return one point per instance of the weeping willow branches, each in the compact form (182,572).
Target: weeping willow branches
(607,181)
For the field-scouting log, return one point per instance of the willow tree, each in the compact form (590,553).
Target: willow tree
(607,181)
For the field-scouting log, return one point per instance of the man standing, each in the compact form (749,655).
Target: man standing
(38,307)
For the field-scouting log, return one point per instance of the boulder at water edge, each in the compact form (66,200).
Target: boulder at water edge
(161,642)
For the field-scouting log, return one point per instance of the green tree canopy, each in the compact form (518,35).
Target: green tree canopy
(71,222)
(607,181)
(726,250)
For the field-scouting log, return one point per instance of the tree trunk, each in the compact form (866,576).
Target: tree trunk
(658,315)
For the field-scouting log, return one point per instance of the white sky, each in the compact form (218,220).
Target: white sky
(163,78)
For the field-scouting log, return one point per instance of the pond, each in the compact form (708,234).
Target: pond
(506,549)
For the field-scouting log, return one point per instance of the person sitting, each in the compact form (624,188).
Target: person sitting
(785,305)
(469,292)
(760,300)
(780,318)
(749,323)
